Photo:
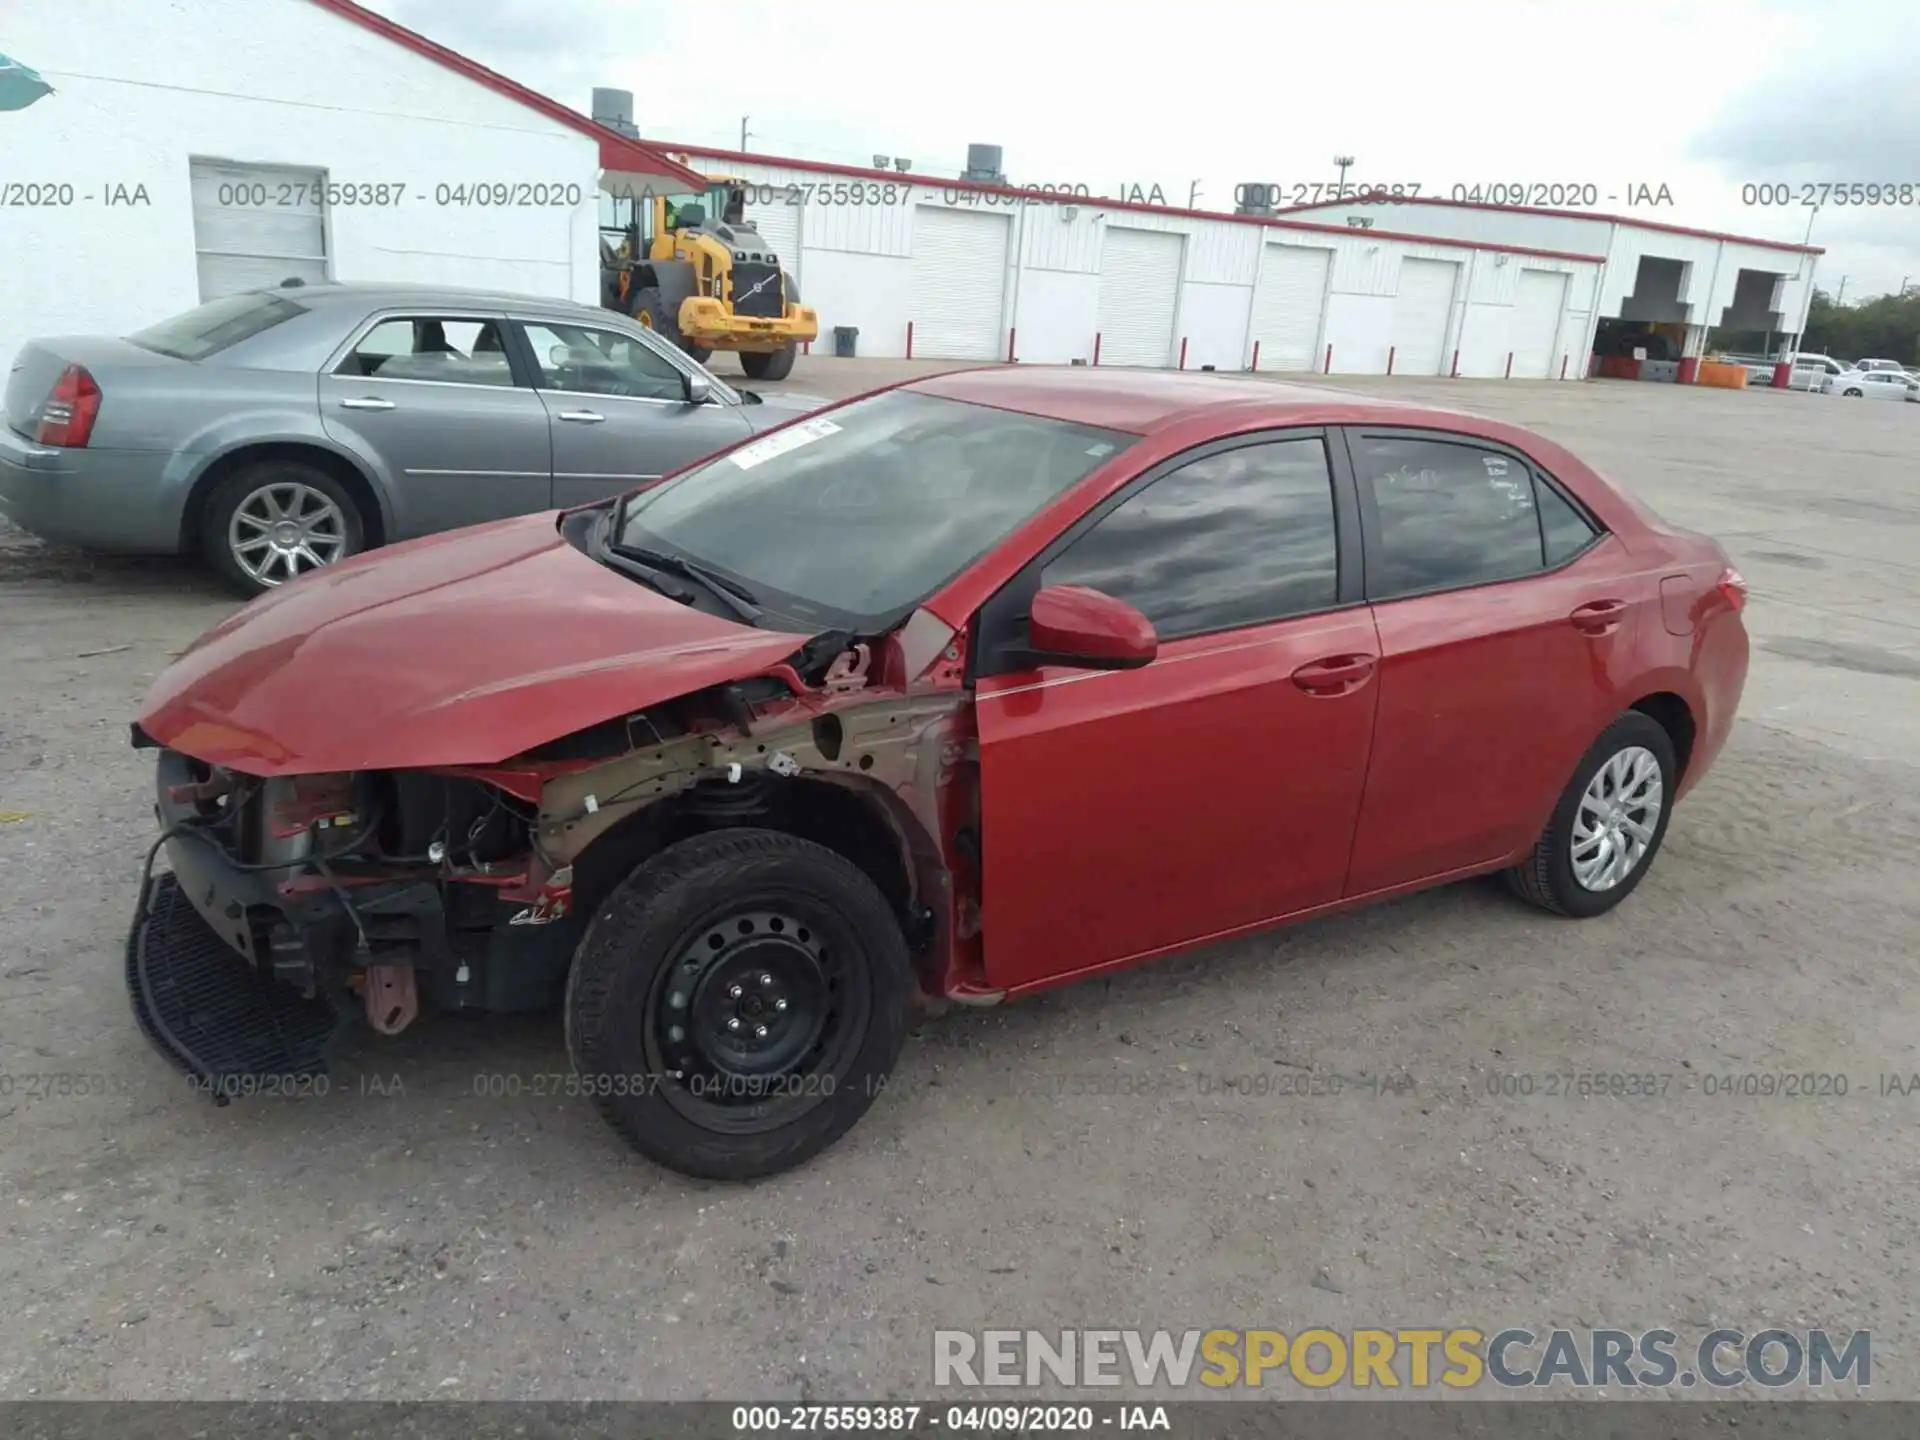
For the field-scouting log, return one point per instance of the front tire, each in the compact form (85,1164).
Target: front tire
(1854,393)
(768,365)
(276,520)
(738,1003)
(1608,825)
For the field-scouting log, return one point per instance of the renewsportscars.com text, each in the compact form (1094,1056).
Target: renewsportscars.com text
(1404,1358)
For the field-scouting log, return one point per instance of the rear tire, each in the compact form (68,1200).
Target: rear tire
(242,541)
(1583,831)
(738,1002)
(769,365)
(1854,393)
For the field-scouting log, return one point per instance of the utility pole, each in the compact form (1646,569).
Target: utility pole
(743,133)
(1841,298)
(1193,196)
(1345,162)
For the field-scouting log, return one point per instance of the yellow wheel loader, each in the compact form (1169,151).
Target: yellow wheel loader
(693,268)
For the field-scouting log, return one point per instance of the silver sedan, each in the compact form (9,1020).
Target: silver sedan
(277,431)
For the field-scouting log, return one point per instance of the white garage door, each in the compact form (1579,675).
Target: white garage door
(1421,310)
(779,225)
(257,225)
(1287,306)
(1139,295)
(1539,301)
(959,277)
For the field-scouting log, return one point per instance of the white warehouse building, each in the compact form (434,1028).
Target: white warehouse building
(181,152)
(161,160)
(970,270)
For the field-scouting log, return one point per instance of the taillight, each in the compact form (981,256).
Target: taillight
(1732,586)
(67,417)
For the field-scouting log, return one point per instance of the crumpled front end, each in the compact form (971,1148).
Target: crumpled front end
(294,899)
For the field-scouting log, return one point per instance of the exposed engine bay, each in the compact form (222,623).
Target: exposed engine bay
(468,888)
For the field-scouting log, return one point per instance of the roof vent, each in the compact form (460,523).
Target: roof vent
(983,165)
(1253,198)
(614,109)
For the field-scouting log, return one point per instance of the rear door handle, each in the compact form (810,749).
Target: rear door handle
(582,417)
(366,402)
(1335,675)
(1598,617)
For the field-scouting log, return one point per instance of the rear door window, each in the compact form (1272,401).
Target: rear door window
(1449,514)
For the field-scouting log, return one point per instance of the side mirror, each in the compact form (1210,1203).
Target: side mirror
(1075,625)
(699,390)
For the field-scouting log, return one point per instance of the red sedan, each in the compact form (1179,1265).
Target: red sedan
(969,686)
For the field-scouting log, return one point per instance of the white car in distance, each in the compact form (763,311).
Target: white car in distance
(1873,385)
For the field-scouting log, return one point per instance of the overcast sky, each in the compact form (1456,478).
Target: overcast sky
(1701,96)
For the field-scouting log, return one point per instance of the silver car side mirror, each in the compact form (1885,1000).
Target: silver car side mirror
(699,390)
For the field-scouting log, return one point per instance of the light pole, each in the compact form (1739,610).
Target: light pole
(1345,162)
(743,133)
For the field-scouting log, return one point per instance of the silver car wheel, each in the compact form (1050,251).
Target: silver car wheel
(285,529)
(1618,816)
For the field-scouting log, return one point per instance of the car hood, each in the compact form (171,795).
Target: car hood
(459,649)
(780,407)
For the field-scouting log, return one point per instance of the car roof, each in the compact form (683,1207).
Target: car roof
(1144,401)
(329,293)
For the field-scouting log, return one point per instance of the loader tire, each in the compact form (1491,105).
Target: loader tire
(772,365)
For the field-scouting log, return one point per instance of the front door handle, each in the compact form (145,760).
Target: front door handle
(1335,675)
(582,417)
(1598,617)
(366,402)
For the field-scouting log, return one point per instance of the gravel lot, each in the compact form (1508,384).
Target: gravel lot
(403,1237)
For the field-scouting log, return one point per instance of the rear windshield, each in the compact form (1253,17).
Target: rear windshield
(216,325)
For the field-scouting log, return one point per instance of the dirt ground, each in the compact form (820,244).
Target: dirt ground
(407,1237)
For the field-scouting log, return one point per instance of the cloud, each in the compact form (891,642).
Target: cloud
(1842,103)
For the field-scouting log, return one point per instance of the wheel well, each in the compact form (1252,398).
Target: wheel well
(841,818)
(1671,714)
(373,524)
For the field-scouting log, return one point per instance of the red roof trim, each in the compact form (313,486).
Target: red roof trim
(617,151)
(1600,215)
(739,157)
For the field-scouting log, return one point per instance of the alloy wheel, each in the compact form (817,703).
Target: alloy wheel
(1618,816)
(284,529)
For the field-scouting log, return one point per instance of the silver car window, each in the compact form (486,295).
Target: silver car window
(451,349)
(589,360)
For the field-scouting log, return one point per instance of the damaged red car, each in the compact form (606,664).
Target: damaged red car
(967,687)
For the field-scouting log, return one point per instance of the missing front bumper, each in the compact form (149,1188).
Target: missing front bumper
(229,1028)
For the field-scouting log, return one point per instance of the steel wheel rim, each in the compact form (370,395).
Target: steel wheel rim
(1617,818)
(284,529)
(760,966)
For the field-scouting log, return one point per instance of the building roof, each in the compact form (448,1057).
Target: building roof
(633,161)
(1601,216)
(1015,193)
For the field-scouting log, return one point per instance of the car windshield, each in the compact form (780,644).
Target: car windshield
(855,517)
(212,327)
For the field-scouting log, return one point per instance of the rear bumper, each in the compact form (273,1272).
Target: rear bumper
(102,499)
(705,321)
